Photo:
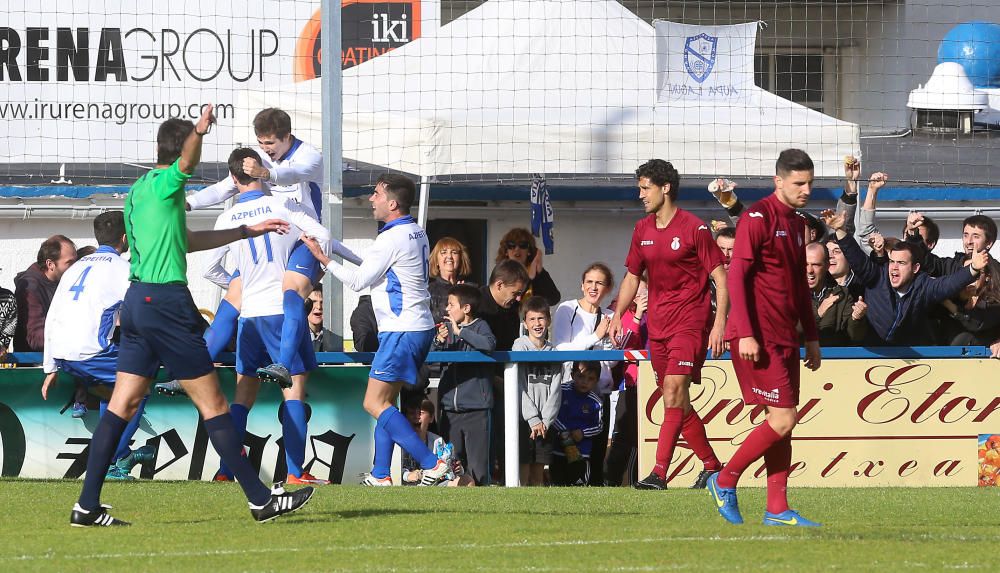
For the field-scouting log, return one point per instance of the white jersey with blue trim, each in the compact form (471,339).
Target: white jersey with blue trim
(297,174)
(262,260)
(84,308)
(395,267)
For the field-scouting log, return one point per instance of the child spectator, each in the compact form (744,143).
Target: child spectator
(539,387)
(578,422)
(466,389)
(421,415)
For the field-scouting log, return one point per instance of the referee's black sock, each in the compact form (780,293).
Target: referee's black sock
(102,447)
(226,442)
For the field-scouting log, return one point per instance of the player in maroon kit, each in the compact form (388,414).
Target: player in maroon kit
(767,284)
(677,250)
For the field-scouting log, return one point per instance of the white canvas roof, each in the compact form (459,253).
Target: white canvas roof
(552,86)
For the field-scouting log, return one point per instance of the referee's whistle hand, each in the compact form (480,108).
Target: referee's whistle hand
(269,226)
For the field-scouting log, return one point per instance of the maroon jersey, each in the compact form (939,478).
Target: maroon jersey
(679,259)
(770,240)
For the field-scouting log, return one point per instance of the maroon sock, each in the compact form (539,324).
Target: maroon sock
(778,459)
(670,430)
(693,432)
(759,440)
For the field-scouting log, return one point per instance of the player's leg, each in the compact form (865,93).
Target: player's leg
(673,381)
(251,353)
(296,284)
(224,325)
(693,429)
(294,429)
(247,388)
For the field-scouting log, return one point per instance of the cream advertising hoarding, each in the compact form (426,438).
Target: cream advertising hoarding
(863,422)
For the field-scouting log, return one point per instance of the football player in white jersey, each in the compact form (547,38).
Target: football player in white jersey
(261,263)
(292,169)
(79,328)
(395,268)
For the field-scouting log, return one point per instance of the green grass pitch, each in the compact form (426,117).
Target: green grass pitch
(196,526)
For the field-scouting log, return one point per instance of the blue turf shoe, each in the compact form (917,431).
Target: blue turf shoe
(725,500)
(117,473)
(139,455)
(789,517)
(79,409)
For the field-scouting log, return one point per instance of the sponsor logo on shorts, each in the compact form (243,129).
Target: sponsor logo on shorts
(684,363)
(780,233)
(771,396)
(379,372)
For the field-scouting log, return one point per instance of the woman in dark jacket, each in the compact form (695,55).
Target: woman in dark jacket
(449,266)
(519,244)
(974,315)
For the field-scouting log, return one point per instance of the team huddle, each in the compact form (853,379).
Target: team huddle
(280,249)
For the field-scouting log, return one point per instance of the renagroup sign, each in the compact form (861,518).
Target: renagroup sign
(871,422)
(91,84)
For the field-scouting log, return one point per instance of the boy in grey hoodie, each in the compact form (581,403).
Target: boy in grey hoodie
(466,389)
(539,386)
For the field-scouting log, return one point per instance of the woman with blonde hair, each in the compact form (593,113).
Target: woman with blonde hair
(449,266)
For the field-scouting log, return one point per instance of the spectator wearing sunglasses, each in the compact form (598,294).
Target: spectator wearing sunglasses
(519,245)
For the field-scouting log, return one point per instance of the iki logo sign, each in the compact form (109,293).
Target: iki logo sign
(370,28)
(699,56)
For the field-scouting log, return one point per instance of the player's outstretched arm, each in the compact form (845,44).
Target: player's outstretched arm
(212,195)
(204,240)
(191,151)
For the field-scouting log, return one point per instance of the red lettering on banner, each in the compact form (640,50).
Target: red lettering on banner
(760,471)
(871,405)
(907,468)
(797,469)
(992,407)
(947,468)
(828,470)
(970,406)
(717,409)
(869,471)
(941,390)
(682,467)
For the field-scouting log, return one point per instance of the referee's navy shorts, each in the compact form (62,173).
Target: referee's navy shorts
(161,325)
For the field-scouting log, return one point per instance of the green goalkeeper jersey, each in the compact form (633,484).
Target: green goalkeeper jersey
(156,227)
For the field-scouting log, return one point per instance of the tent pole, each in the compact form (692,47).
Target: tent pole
(425,199)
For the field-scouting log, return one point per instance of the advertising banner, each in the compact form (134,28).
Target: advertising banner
(863,422)
(39,442)
(93,83)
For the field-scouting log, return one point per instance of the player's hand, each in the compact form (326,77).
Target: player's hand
(717,340)
(270,226)
(859,309)
(615,329)
(206,121)
(980,260)
(877,181)
(833,219)
(603,326)
(577,435)
(50,381)
(315,248)
(749,349)
(826,304)
(254,169)
(813,355)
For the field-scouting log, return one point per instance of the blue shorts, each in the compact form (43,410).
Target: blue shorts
(160,325)
(258,344)
(303,262)
(400,355)
(99,369)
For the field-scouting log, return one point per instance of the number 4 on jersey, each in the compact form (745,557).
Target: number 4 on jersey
(77,288)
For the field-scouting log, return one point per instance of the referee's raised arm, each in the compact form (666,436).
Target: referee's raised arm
(191,151)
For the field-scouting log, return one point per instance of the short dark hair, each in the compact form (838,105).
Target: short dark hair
(587,367)
(467,295)
(399,188)
(933,231)
(536,304)
(988,226)
(85,250)
(793,160)
(272,121)
(728,232)
(916,250)
(661,173)
(236,164)
(170,139)
(509,272)
(109,228)
(51,249)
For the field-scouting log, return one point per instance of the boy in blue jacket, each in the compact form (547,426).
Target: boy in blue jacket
(578,422)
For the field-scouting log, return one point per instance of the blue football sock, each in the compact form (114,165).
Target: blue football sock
(383,447)
(239,414)
(102,447)
(123,450)
(292,327)
(224,439)
(103,408)
(402,432)
(293,429)
(223,328)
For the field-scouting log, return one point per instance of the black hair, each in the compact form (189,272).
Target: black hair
(467,295)
(109,228)
(660,172)
(988,226)
(916,250)
(587,367)
(51,249)
(170,139)
(236,164)
(793,160)
(400,189)
(728,232)
(509,272)
(536,304)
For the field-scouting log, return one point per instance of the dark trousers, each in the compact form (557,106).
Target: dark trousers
(600,446)
(470,434)
(622,467)
(563,473)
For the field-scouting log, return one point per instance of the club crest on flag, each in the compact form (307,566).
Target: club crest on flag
(699,55)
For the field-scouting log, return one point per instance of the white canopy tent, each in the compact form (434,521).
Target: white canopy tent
(552,86)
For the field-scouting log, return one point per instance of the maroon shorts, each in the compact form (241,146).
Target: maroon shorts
(771,381)
(681,353)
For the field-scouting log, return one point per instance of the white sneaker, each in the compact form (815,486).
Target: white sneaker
(373,481)
(435,474)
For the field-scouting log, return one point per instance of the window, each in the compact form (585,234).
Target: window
(796,77)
